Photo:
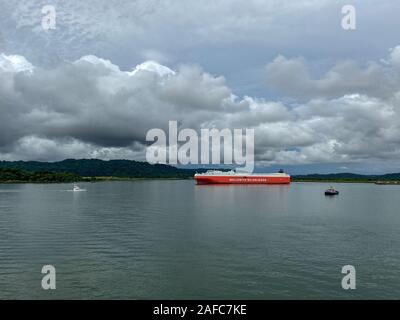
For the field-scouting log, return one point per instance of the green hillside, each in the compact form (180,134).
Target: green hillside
(347,177)
(100,168)
(70,169)
(15,175)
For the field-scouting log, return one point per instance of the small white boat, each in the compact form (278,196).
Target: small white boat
(77,189)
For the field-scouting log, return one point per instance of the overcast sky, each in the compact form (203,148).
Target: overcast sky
(319,97)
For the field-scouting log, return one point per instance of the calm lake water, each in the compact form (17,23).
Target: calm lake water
(176,240)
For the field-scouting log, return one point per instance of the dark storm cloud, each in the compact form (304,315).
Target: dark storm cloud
(95,103)
(339,103)
(234,39)
(90,108)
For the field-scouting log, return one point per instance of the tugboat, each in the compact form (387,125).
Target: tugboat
(331,192)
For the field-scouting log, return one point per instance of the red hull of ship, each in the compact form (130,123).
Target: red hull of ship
(242,180)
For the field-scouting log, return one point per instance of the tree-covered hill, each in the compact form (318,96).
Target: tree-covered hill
(100,168)
(347,177)
(15,175)
(136,169)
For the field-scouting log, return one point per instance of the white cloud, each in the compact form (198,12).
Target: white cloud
(95,60)
(152,66)
(14,63)
(92,108)
(293,78)
(39,148)
(395,56)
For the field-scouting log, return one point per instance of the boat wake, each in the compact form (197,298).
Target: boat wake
(76,189)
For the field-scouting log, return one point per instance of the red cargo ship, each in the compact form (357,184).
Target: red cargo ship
(231,177)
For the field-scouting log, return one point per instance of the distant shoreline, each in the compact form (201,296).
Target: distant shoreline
(350,181)
(334,181)
(121,179)
(95,170)
(92,180)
